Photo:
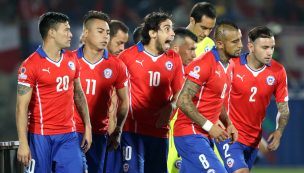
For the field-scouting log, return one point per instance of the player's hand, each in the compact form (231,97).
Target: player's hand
(164,116)
(24,154)
(274,140)
(232,133)
(114,139)
(218,133)
(87,139)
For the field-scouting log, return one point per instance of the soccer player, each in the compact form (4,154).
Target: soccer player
(256,78)
(47,82)
(184,44)
(155,80)
(118,37)
(201,103)
(100,74)
(202,21)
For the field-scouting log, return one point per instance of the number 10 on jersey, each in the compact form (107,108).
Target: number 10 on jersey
(154,78)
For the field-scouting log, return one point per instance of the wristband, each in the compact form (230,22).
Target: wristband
(207,126)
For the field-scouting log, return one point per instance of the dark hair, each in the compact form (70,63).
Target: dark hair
(183,33)
(137,34)
(116,25)
(260,32)
(221,26)
(92,14)
(203,8)
(152,22)
(50,20)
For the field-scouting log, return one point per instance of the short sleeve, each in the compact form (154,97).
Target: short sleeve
(198,71)
(122,77)
(281,90)
(26,74)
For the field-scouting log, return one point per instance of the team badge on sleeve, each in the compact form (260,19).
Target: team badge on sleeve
(270,80)
(22,74)
(71,65)
(194,72)
(107,73)
(169,65)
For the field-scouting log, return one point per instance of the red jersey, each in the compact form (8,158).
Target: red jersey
(250,95)
(215,81)
(98,81)
(153,81)
(51,106)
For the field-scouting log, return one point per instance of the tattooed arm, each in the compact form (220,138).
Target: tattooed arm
(82,107)
(122,112)
(275,137)
(185,103)
(24,94)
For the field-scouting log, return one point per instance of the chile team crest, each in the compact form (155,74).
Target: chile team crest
(270,80)
(71,65)
(107,73)
(169,65)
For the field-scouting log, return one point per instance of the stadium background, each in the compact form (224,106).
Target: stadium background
(19,36)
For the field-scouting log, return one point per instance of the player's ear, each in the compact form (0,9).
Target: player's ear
(152,34)
(192,21)
(219,44)
(52,32)
(250,46)
(175,48)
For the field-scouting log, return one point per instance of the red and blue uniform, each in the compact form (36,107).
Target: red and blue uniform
(52,137)
(193,143)
(250,95)
(98,81)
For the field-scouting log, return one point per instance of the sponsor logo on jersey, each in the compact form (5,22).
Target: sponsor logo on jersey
(47,70)
(270,80)
(140,62)
(178,163)
(211,171)
(71,65)
(107,73)
(194,72)
(22,74)
(218,73)
(125,167)
(241,77)
(230,162)
(169,65)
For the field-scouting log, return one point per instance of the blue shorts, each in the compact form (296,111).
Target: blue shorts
(84,159)
(97,153)
(236,155)
(144,154)
(113,162)
(197,154)
(56,153)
